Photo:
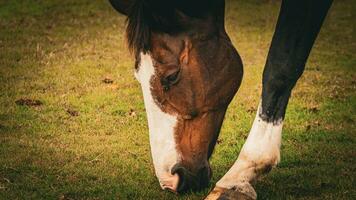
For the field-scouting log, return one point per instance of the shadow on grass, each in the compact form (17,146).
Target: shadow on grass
(315,165)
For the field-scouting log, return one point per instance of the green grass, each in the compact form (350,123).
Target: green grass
(60,51)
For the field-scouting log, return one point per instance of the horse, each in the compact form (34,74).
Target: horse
(189,71)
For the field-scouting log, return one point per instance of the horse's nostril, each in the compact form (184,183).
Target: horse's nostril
(183,177)
(189,180)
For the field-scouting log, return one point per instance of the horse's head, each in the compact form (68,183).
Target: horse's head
(189,72)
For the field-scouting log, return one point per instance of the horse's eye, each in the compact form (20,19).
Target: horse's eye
(171,78)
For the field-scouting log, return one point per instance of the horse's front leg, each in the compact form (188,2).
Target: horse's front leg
(298,25)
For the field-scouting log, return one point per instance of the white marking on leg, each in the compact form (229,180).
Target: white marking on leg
(260,151)
(161,128)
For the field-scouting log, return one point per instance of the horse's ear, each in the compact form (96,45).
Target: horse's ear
(184,55)
(122,6)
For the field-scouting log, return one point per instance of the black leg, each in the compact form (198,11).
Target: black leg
(298,25)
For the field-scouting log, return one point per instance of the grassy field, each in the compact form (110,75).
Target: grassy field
(87,138)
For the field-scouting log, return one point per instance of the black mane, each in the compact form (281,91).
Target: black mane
(148,16)
(145,17)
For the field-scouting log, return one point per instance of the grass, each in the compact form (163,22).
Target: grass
(88,140)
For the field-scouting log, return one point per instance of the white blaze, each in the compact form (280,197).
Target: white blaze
(161,128)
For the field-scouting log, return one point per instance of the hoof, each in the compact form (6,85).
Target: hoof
(243,192)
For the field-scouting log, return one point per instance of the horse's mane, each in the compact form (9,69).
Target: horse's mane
(147,16)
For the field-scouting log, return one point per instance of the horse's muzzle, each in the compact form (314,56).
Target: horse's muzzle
(189,180)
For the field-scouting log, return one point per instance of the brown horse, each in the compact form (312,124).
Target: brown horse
(189,72)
